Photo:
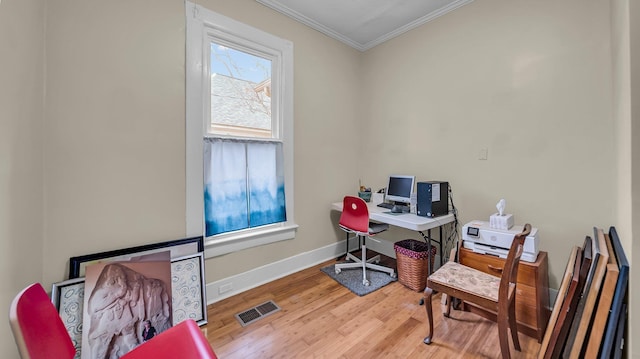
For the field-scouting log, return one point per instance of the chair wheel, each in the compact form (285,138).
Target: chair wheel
(338,270)
(427,340)
(421,302)
(365,282)
(392,275)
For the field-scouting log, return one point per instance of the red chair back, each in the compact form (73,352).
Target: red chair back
(355,215)
(184,340)
(37,327)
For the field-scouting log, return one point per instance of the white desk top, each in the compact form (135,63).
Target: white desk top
(405,220)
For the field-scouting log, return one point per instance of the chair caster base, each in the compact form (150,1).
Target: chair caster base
(427,340)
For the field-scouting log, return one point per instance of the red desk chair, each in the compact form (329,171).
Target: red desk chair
(40,333)
(355,219)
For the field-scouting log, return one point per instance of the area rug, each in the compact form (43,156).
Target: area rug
(352,279)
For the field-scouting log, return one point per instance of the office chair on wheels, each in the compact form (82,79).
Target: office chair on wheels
(355,219)
(496,294)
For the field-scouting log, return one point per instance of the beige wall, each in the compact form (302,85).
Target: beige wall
(115,112)
(530,81)
(21,177)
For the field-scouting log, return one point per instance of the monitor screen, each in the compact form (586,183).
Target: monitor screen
(400,188)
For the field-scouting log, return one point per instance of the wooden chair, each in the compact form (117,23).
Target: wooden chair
(496,294)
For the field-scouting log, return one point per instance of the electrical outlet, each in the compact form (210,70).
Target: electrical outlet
(483,153)
(225,288)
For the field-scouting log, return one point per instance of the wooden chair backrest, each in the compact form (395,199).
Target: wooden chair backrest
(510,270)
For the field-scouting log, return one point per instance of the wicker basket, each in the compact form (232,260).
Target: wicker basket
(411,258)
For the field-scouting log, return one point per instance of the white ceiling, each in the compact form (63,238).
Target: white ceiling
(363,24)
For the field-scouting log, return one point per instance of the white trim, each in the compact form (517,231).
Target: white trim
(277,6)
(202,25)
(256,277)
(238,242)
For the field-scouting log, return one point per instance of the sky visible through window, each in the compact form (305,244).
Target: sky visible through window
(238,64)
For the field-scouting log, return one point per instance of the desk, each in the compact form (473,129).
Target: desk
(408,221)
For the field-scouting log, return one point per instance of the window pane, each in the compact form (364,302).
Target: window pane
(240,93)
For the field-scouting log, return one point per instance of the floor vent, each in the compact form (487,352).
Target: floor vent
(258,312)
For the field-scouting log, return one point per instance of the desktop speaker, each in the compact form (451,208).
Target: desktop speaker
(433,199)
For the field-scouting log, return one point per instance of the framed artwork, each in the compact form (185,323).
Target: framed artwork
(562,293)
(120,298)
(614,332)
(178,248)
(68,298)
(590,297)
(568,308)
(188,287)
(604,303)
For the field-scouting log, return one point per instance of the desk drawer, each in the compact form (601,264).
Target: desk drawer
(532,292)
(493,265)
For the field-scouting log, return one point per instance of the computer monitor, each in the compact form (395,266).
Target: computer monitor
(400,188)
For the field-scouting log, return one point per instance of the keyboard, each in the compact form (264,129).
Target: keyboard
(402,208)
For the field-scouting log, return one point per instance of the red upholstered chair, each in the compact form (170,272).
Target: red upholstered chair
(40,333)
(355,219)
(37,327)
(183,340)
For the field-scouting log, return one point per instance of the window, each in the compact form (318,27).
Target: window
(239,133)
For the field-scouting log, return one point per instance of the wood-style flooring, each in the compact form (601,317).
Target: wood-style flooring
(320,318)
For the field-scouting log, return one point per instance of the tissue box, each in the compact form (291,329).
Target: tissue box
(377,198)
(504,222)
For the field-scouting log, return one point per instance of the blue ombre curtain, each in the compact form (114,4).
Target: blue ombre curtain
(243,184)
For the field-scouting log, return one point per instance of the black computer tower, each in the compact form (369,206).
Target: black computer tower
(432,199)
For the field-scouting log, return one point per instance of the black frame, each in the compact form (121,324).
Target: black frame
(75,262)
(618,314)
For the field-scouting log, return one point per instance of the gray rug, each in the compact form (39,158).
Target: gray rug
(352,279)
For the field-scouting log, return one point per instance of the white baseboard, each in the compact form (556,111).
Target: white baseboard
(242,282)
(230,286)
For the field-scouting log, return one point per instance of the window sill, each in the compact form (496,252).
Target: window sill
(237,242)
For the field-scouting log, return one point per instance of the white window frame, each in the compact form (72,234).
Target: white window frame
(203,26)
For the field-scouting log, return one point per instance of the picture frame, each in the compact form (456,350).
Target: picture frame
(68,298)
(614,332)
(575,347)
(604,304)
(118,297)
(178,248)
(561,331)
(189,289)
(567,310)
(576,252)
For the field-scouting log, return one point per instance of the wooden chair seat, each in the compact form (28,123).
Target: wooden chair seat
(469,281)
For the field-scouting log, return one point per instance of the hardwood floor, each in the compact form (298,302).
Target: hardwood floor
(320,318)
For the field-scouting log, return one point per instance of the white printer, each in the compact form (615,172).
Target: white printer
(479,237)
